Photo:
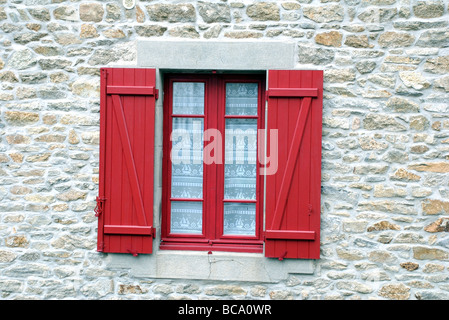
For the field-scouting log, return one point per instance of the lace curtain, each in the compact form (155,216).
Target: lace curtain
(187,158)
(241,98)
(239,218)
(186,217)
(240,170)
(188,98)
(240,159)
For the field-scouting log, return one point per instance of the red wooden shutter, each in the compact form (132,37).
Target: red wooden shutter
(292,226)
(125,201)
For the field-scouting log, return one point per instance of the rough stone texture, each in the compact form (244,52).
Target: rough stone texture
(214,12)
(399,104)
(65,12)
(172,12)
(393,39)
(437,64)
(378,15)
(434,38)
(395,291)
(385,172)
(332,38)
(428,9)
(184,32)
(441,225)
(91,12)
(315,55)
(263,11)
(357,41)
(150,31)
(414,80)
(324,13)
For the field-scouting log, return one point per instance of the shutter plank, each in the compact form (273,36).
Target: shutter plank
(138,142)
(315,166)
(303,166)
(134,193)
(102,151)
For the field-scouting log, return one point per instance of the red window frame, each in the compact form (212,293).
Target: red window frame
(212,237)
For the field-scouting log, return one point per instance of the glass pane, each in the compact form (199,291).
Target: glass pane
(187,158)
(186,217)
(241,98)
(239,219)
(188,98)
(240,159)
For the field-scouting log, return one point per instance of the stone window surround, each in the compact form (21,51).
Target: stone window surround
(199,56)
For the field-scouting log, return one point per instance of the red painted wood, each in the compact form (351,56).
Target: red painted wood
(295,92)
(102,151)
(126,161)
(287,176)
(129,159)
(131,90)
(222,117)
(290,235)
(128,230)
(293,193)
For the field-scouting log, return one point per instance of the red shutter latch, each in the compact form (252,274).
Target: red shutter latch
(100,206)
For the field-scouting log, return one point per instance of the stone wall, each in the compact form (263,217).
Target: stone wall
(385,186)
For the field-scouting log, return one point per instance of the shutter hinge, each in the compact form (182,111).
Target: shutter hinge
(100,206)
(310,209)
(153,232)
(156,93)
(104,73)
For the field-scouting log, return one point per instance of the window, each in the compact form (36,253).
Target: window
(224,188)
(211,185)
